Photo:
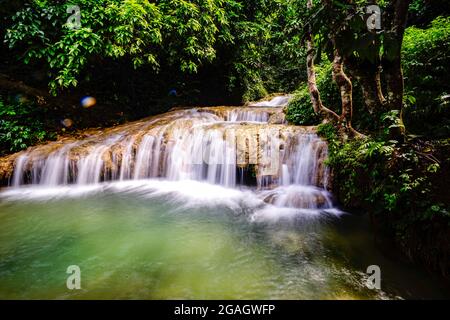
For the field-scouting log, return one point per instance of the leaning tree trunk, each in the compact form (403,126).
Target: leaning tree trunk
(42,97)
(9,84)
(318,106)
(345,87)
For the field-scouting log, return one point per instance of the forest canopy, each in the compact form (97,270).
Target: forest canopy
(183,35)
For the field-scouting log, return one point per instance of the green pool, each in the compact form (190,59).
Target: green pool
(186,240)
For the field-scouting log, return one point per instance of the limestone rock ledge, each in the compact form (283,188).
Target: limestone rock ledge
(252,130)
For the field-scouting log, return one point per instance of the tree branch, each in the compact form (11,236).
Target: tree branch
(18,86)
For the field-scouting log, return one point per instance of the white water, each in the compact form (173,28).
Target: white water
(247,115)
(208,146)
(280,101)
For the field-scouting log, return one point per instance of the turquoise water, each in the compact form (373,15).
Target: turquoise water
(160,240)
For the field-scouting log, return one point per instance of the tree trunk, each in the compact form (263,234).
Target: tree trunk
(42,97)
(345,87)
(13,85)
(368,75)
(395,17)
(318,106)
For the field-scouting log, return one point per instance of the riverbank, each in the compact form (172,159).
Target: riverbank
(403,188)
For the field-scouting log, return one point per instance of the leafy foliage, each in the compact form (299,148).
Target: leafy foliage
(182,33)
(384,175)
(426,60)
(347,21)
(399,184)
(300,111)
(20,125)
(268,51)
(257,43)
(422,12)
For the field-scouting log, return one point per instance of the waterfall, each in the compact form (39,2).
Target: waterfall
(217,145)
(279,101)
(248,116)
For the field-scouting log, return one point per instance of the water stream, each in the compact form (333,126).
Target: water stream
(204,203)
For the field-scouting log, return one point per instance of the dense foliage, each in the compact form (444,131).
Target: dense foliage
(182,34)
(427,66)
(21,124)
(400,185)
(300,110)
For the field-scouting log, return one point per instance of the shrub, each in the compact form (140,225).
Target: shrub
(300,110)
(383,175)
(21,125)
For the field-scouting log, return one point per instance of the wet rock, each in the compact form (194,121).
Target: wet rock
(277,118)
(239,136)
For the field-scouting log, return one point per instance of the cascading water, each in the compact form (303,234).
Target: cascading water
(223,146)
(203,203)
(279,101)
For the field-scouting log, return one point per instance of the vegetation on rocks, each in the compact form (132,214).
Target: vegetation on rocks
(402,186)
